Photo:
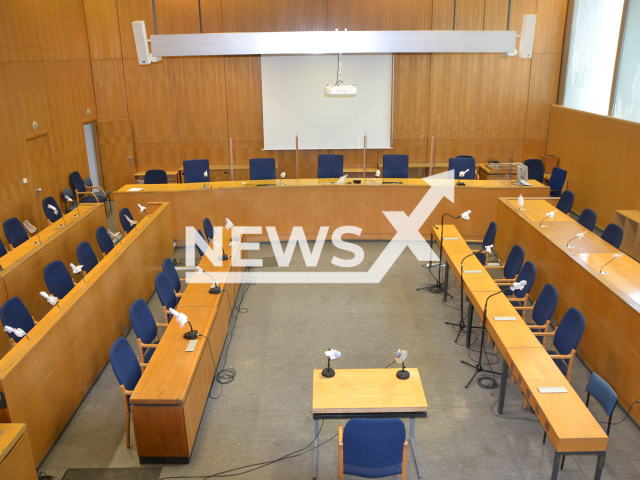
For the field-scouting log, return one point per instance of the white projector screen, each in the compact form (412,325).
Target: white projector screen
(293,101)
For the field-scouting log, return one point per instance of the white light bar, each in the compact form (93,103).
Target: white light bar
(300,43)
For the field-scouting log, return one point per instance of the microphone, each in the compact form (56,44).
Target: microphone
(400,356)
(143,210)
(206,175)
(55,212)
(31,229)
(114,236)
(231,226)
(51,300)
(580,236)
(341,179)
(70,200)
(460,175)
(18,332)
(521,202)
(282,175)
(331,355)
(215,290)
(131,222)
(224,255)
(518,285)
(377,175)
(615,255)
(77,269)
(487,250)
(549,215)
(181,318)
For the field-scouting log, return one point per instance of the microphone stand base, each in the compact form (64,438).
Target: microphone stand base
(461,184)
(328,372)
(192,335)
(403,374)
(215,290)
(225,257)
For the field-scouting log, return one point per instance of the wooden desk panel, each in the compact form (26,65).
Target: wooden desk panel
(16,461)
(537,210)
(45,378)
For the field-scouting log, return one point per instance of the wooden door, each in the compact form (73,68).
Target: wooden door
(42,182)
(115,140)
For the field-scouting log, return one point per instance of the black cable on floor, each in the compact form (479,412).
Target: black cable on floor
(511,418)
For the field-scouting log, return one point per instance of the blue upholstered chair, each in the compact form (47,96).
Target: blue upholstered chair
(330,165)
(14,314)
(124,223)
(372,448)
(395,166)
(512,266)
(99,193)
(68,206)
(145,327)
(3,249)
(104,240)
(543,309)
(207,226)
(460,164)
(166,294)
(588,219)
(84,195)
(194,171)
(58,279)
(170,270)
(262,168)
(86,257)
(521,297)
(200,251)
(566,202)
(613,234)
(489,239)
(15,232)
(556,181)
(156,177)
(566,338)
(535,169)
(49,213)
(128,371)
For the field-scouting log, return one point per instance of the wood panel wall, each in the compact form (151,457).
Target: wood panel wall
(602,157)
(45,76)
(184,108)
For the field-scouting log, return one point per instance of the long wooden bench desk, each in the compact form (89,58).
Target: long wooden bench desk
(45,377)
(16,461)
(313,203)
(610,303)
(22,267)
(168,403)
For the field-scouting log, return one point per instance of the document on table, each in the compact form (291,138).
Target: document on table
(504,319)
(135,189)
(552,390)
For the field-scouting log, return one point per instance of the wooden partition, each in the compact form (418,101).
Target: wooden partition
(602,157)
(16,460)
(44,378)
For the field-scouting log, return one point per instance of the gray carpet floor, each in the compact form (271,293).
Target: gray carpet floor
(266,412)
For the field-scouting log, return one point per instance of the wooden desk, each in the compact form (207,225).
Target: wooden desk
(610,304)
(313,203)
(215,169)
(502,171)
(23,265)
(16,461)
(173,176)
(374,392)
(45,378)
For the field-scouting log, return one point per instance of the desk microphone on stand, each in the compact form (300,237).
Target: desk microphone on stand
(132,223)
(70,200)
(549,215)
(224,255)
(18,332)
(181,318)
(460,176)
(51,300)
(214,289)
(55,212)
(331,355)
(31,229)
(400,356)
(143,210)
(77,270)
(579,236)
(615,255)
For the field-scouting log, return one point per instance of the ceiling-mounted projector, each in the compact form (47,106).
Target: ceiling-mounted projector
(340,89)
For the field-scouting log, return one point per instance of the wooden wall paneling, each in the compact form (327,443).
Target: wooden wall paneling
(18,31)
(41,175)
(62,30)
(247,16)
(487,148)
(442,18)
(211,11)
(504,83)
(244,97)
(534,148)
(184,16)
(157,155)
(300,15)
(550,23)
(628,199)
(83,94)
(411,95)
(16,199)
(451,147)
(216,152)
(405,14)
(132,10)
(496,14)
(518,9)
(418,151)
(103,29)
(469,14)
(151,101)
(543,92)
(115,140)
(201,99)
(109,89)
(308,163)
(353,14)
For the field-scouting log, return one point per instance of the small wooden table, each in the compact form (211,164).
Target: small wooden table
(370,393)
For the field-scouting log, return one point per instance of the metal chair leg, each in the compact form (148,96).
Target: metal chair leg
(562,464)
(544,439)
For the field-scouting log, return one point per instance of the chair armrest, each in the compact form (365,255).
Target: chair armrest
(340,432)
(536,327)
(149,345)
(163,325)
(86,193)
(179,294)
(567,357)
(94,187)
(515,299)
(494,266)
(544,334)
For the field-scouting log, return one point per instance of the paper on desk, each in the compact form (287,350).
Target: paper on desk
(135,189)
(451,238)
(552,390)
(472,271)
(504,319)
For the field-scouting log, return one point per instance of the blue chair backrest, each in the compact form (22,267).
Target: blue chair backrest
(535,169)
(104,240)
(556,181)
(142,321)
(51,216)
(205,240)
(330,165)
(86,257)
(14,314)
(77,182)
(170,270)
(69,205)
(207,226)
(462,163)
(527,273)
(194,171)
(395,166)
(155,177)
(569,332)
(566,201)
(125,364)
(166,293)
(3,249)
(15,232)
(489,239)
(262,168)
(613,234)
(602,392)
(545,304)
(373,447)
(124,223)
(588,219)
(58,279)
(514,262)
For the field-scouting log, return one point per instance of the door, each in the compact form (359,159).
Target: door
(42,181)
(115,138)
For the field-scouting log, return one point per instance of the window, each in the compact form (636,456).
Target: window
(627,97)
